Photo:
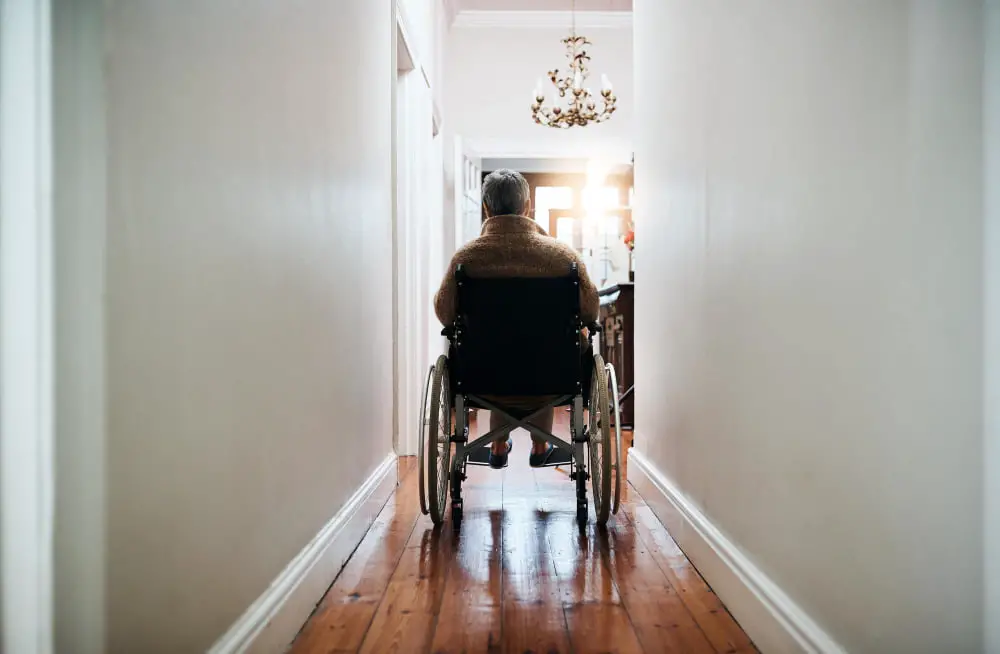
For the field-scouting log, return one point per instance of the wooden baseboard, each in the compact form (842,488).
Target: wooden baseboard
(769,616)
(271,622)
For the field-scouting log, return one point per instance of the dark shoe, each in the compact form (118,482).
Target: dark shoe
(498,461)
(553,456)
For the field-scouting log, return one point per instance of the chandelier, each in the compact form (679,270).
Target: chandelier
(582,107)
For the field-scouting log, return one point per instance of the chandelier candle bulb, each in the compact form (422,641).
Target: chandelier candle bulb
(605,83)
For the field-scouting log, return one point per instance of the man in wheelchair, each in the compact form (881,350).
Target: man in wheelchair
(519,310)
(514,245)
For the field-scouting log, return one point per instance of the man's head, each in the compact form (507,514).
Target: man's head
(506,193)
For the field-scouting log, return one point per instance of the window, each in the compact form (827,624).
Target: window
(598,198)
(568,231)
(551,197)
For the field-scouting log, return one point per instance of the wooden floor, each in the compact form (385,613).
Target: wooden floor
(519,576)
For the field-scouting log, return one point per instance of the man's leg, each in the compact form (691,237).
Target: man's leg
(543,422)
(538,446)
(499,445)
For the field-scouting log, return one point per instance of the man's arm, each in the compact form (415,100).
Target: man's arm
(445,298)
(590,304)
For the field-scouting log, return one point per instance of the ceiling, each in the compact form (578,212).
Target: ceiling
(543,5)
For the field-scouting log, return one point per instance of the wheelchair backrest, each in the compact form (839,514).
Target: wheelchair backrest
(517,336)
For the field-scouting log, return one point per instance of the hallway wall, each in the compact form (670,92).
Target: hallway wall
(992,513)
(247,307)
(811,334)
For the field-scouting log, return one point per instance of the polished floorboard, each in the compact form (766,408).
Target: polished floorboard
(519,576)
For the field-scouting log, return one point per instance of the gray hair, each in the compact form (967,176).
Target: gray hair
(506,192)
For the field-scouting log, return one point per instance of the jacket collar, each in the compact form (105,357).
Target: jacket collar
(511,225)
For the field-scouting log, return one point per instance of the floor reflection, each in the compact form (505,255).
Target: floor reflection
(519,575)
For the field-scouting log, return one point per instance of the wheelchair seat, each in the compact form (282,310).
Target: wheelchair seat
(515,339)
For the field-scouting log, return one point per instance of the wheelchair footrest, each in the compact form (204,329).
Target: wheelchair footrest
(557,464)
(481,457)
(555,456)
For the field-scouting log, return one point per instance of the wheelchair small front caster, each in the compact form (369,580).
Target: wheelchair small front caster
(581,514)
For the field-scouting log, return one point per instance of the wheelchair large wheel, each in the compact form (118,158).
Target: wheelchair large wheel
(599,441)
(616,449)
(438,442)
(422,438)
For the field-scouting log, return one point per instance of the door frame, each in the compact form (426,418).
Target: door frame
(27,485)
(468,192)
(411,99)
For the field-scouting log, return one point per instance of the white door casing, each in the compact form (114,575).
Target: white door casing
(468,191)
(26,328)
(417,232)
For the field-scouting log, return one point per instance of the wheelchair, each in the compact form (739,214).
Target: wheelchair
(519,337)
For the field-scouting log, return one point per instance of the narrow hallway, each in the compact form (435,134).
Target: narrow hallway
(518,577)
(224,232)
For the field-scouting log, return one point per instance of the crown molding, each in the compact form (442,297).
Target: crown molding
(544,19)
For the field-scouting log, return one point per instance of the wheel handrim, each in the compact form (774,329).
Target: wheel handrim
(439,441)
(598,437)
(616,437)
(422,441)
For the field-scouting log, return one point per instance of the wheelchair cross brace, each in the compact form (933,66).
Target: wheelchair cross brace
(577,432)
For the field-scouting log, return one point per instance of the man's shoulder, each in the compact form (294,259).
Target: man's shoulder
(528,254)
(536,241)
(471,249)
(555,248)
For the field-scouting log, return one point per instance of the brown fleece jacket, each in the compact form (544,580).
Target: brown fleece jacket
(514,246)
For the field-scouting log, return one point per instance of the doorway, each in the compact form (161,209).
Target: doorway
(418,229)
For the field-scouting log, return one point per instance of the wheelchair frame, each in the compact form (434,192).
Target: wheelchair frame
(578,434)
(445,457)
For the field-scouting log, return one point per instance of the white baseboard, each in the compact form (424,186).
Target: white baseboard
(270,624)
(772,620)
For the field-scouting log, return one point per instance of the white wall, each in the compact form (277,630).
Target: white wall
(992,553)
(248,301)
(490,75)
(811,337)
